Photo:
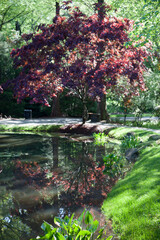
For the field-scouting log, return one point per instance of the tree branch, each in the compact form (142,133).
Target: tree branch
(3,17)
(14,17)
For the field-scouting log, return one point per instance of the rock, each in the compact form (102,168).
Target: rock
(157,111)
(129,134)
(158,141)
(154,137)
(131,154)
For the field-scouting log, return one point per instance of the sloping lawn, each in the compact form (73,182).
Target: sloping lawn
(134,203)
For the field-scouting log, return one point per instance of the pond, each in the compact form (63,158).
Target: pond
(46,176)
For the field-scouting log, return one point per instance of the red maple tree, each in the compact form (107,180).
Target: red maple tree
(68,54)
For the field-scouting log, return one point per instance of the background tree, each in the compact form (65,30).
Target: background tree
(146,16)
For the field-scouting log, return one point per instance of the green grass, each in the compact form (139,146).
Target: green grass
(134,203)
(36,129)
(120,132)
(130,115)
(153,124)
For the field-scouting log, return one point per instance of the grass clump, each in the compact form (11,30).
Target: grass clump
(35,129)
(130,142)
(100,138)
(134,203)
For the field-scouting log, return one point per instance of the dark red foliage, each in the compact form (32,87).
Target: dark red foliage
(66,54)
(86,185)
(31,173)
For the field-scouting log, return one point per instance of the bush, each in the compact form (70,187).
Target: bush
(70,228)
(129,142)
(113,164)
(100,138)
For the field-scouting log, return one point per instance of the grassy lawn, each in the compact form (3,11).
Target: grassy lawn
(134,203)
(130,115)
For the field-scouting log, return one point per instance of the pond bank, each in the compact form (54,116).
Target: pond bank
(134,202)
(68,125)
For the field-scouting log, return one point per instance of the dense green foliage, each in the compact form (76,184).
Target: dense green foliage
(113,164)
(83,228)
(145,102)
(145,13)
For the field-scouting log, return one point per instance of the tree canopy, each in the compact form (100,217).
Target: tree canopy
(66,54)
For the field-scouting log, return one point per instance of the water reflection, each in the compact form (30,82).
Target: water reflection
(49,176)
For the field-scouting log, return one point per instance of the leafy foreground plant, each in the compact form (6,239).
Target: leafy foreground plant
(113,164)
(100,138)
(130,142)
(82,228)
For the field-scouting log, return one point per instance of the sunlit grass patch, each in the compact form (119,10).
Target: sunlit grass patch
(134,203)
(122,131)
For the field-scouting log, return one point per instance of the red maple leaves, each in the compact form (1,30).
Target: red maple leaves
(66,54)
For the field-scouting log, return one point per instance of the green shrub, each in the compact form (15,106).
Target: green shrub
(130,142)
(70,228)
(100,138)
(113,164)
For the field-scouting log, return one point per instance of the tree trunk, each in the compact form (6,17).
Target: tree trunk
(85,113)
(56,112)
(55,145)
(57,8)
(102,105)
(101,10)
(55,104)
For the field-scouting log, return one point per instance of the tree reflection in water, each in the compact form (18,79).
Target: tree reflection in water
(74,180)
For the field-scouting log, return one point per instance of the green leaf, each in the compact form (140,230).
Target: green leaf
(83,233)
(64,226)
(88,218)
(66,219)
(80,219)
(94,226)
(59,236)
(109,238)
(70,221)
(76,228)
(58,221)
(48,236)
(100,233)
(47,227)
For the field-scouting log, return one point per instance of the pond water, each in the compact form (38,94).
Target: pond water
(46,176)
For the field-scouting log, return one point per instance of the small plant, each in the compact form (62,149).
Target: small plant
(70,228)
(129,142)
(100,138)
(113,164)
(157,111)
